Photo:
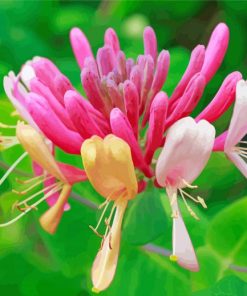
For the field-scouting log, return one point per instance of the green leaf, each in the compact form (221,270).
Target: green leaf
(145,219)
(210,266)
(228,286)
(143,273)
(227,233)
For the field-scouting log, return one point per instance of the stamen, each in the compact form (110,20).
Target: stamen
(29,180)
(32,206)
(196,200)
(7,142)
(32,186)
(192,213)
(3,125)
(38,193)
(189,185)
(244,142)
(14,165)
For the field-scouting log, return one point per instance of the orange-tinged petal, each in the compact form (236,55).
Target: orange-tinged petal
(36,147)
(109,166)
(105,263)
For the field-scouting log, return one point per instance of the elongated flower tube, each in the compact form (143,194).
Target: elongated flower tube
(231,141)
(186,151)
(109,167)
(66,175)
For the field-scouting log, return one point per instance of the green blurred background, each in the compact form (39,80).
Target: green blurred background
(34,263)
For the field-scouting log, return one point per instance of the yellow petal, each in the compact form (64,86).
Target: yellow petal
(105,263)
(109,166)
(38,150)
(51,218)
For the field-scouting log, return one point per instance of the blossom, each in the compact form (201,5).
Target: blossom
(118,127)
(231,141)
(66,175)
(185,153)
(109,167)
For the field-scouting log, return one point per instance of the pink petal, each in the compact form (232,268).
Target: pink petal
(121,65)
(81,115)
(156,124)
(146,80)
(222,100)
(131,100)
(135,77)
(215,51)
(115,95)
(159,79)
(194,66)
(72,174)
(189,100)
(150,43)
(239,162)
(238,125)
(122,128)
(8,85)
(105,60)
(111,39)
(37,87)
(182,245)
(80,46)
(186,151)
(129,65)
(52,127)
(93,90)
(219,142)
(61,85)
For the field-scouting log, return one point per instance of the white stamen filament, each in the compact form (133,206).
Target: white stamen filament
(38,193)
(29,180)
(57,188)
(13,166)
(32,186)
(8,141)
(192,213)
(3,125)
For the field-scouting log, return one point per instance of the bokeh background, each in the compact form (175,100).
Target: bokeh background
(34,263)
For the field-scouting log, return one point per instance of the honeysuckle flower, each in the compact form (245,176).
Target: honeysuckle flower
(118,127)
(67,175)
(231,141)
(186,151)
(109,167)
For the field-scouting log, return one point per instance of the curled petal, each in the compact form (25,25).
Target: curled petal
(81,116)
(222,100)
(189,100)
(215,51)
(80,46)
(42,90)
(51,126)
(194,66)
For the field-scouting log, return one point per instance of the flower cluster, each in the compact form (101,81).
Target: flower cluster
(127,131)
